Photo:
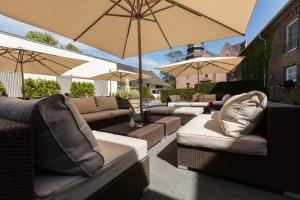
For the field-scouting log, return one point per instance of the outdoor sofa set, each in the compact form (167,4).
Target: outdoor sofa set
(248,140)
(48,151)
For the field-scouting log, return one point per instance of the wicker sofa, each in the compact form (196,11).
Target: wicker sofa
(273,163)
(124,173)
(100,111)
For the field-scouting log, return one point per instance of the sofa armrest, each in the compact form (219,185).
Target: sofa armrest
(283,130)
(16,161)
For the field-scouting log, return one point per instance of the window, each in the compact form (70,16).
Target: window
(291,73)
(292,35)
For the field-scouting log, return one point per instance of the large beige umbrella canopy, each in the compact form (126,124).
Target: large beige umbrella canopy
(132,27)
(119,76)
(28,61)
(202,65)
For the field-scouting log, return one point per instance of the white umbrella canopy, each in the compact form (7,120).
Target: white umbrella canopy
(133,27)
(120,76)
(202,65)
(29,61)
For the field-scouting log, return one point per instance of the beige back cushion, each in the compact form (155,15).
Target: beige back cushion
(106,103)
(175,98)
(242,113)
(209,97)
(85,104)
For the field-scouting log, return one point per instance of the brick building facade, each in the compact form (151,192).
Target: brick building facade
(284,61)
(284,56)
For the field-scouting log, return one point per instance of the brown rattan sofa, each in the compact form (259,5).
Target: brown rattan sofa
(124,176)
(276,168)
(100,112)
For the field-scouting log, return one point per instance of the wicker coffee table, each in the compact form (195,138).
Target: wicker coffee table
(171,124)
(152,133)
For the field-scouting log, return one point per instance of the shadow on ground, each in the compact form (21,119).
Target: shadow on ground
(169,153)
(153,195)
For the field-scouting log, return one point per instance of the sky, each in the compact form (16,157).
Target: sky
(264,11)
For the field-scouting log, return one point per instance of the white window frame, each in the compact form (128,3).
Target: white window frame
(287,34)
(287,74)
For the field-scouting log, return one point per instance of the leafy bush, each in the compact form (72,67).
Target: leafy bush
(2,89)
(287,84)
(82,89)
(127,94)
(146,92)
(221,88)
(36,89)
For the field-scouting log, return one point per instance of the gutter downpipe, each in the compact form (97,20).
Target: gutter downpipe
(265,44)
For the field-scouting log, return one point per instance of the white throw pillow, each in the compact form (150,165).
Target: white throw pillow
(242,113)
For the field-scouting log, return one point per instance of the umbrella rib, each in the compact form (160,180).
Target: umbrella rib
(134,78)
(224,63)
(159,10)
(183,70)
(148,9)
(158,25)
(54,62)
(121,7)
(131,6)
(43,64)
(97,20)
(150,20)
(219,66)
(8,58)
(202,15)
(128,31)
(117,15)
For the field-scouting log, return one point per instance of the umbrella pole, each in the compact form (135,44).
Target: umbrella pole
(21,53)
(140,67)
(198,85)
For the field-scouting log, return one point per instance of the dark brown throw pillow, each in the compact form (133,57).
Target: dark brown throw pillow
(63,141)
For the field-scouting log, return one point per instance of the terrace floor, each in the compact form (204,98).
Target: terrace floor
(171,183)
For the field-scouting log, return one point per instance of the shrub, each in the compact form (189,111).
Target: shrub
(127,94)
(2,89)
(82,89)
(36,89)
(146,92)
(220,89)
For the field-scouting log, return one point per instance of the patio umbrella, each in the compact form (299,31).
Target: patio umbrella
(133,27)
(202,65)
(28,61)
(120,76)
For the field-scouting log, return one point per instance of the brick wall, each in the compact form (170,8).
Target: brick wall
(280,60)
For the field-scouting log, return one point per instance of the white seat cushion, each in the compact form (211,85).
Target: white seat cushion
(189,111)
(178,104)
(120,153)
(199,104)
(204,131)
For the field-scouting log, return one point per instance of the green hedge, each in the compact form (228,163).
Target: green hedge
(2,89)
(82,89)
(36,89)
(221,88)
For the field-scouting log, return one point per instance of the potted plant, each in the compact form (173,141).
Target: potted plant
(131,116)
(287,84)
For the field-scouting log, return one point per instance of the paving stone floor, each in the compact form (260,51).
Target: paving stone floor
(171,183)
